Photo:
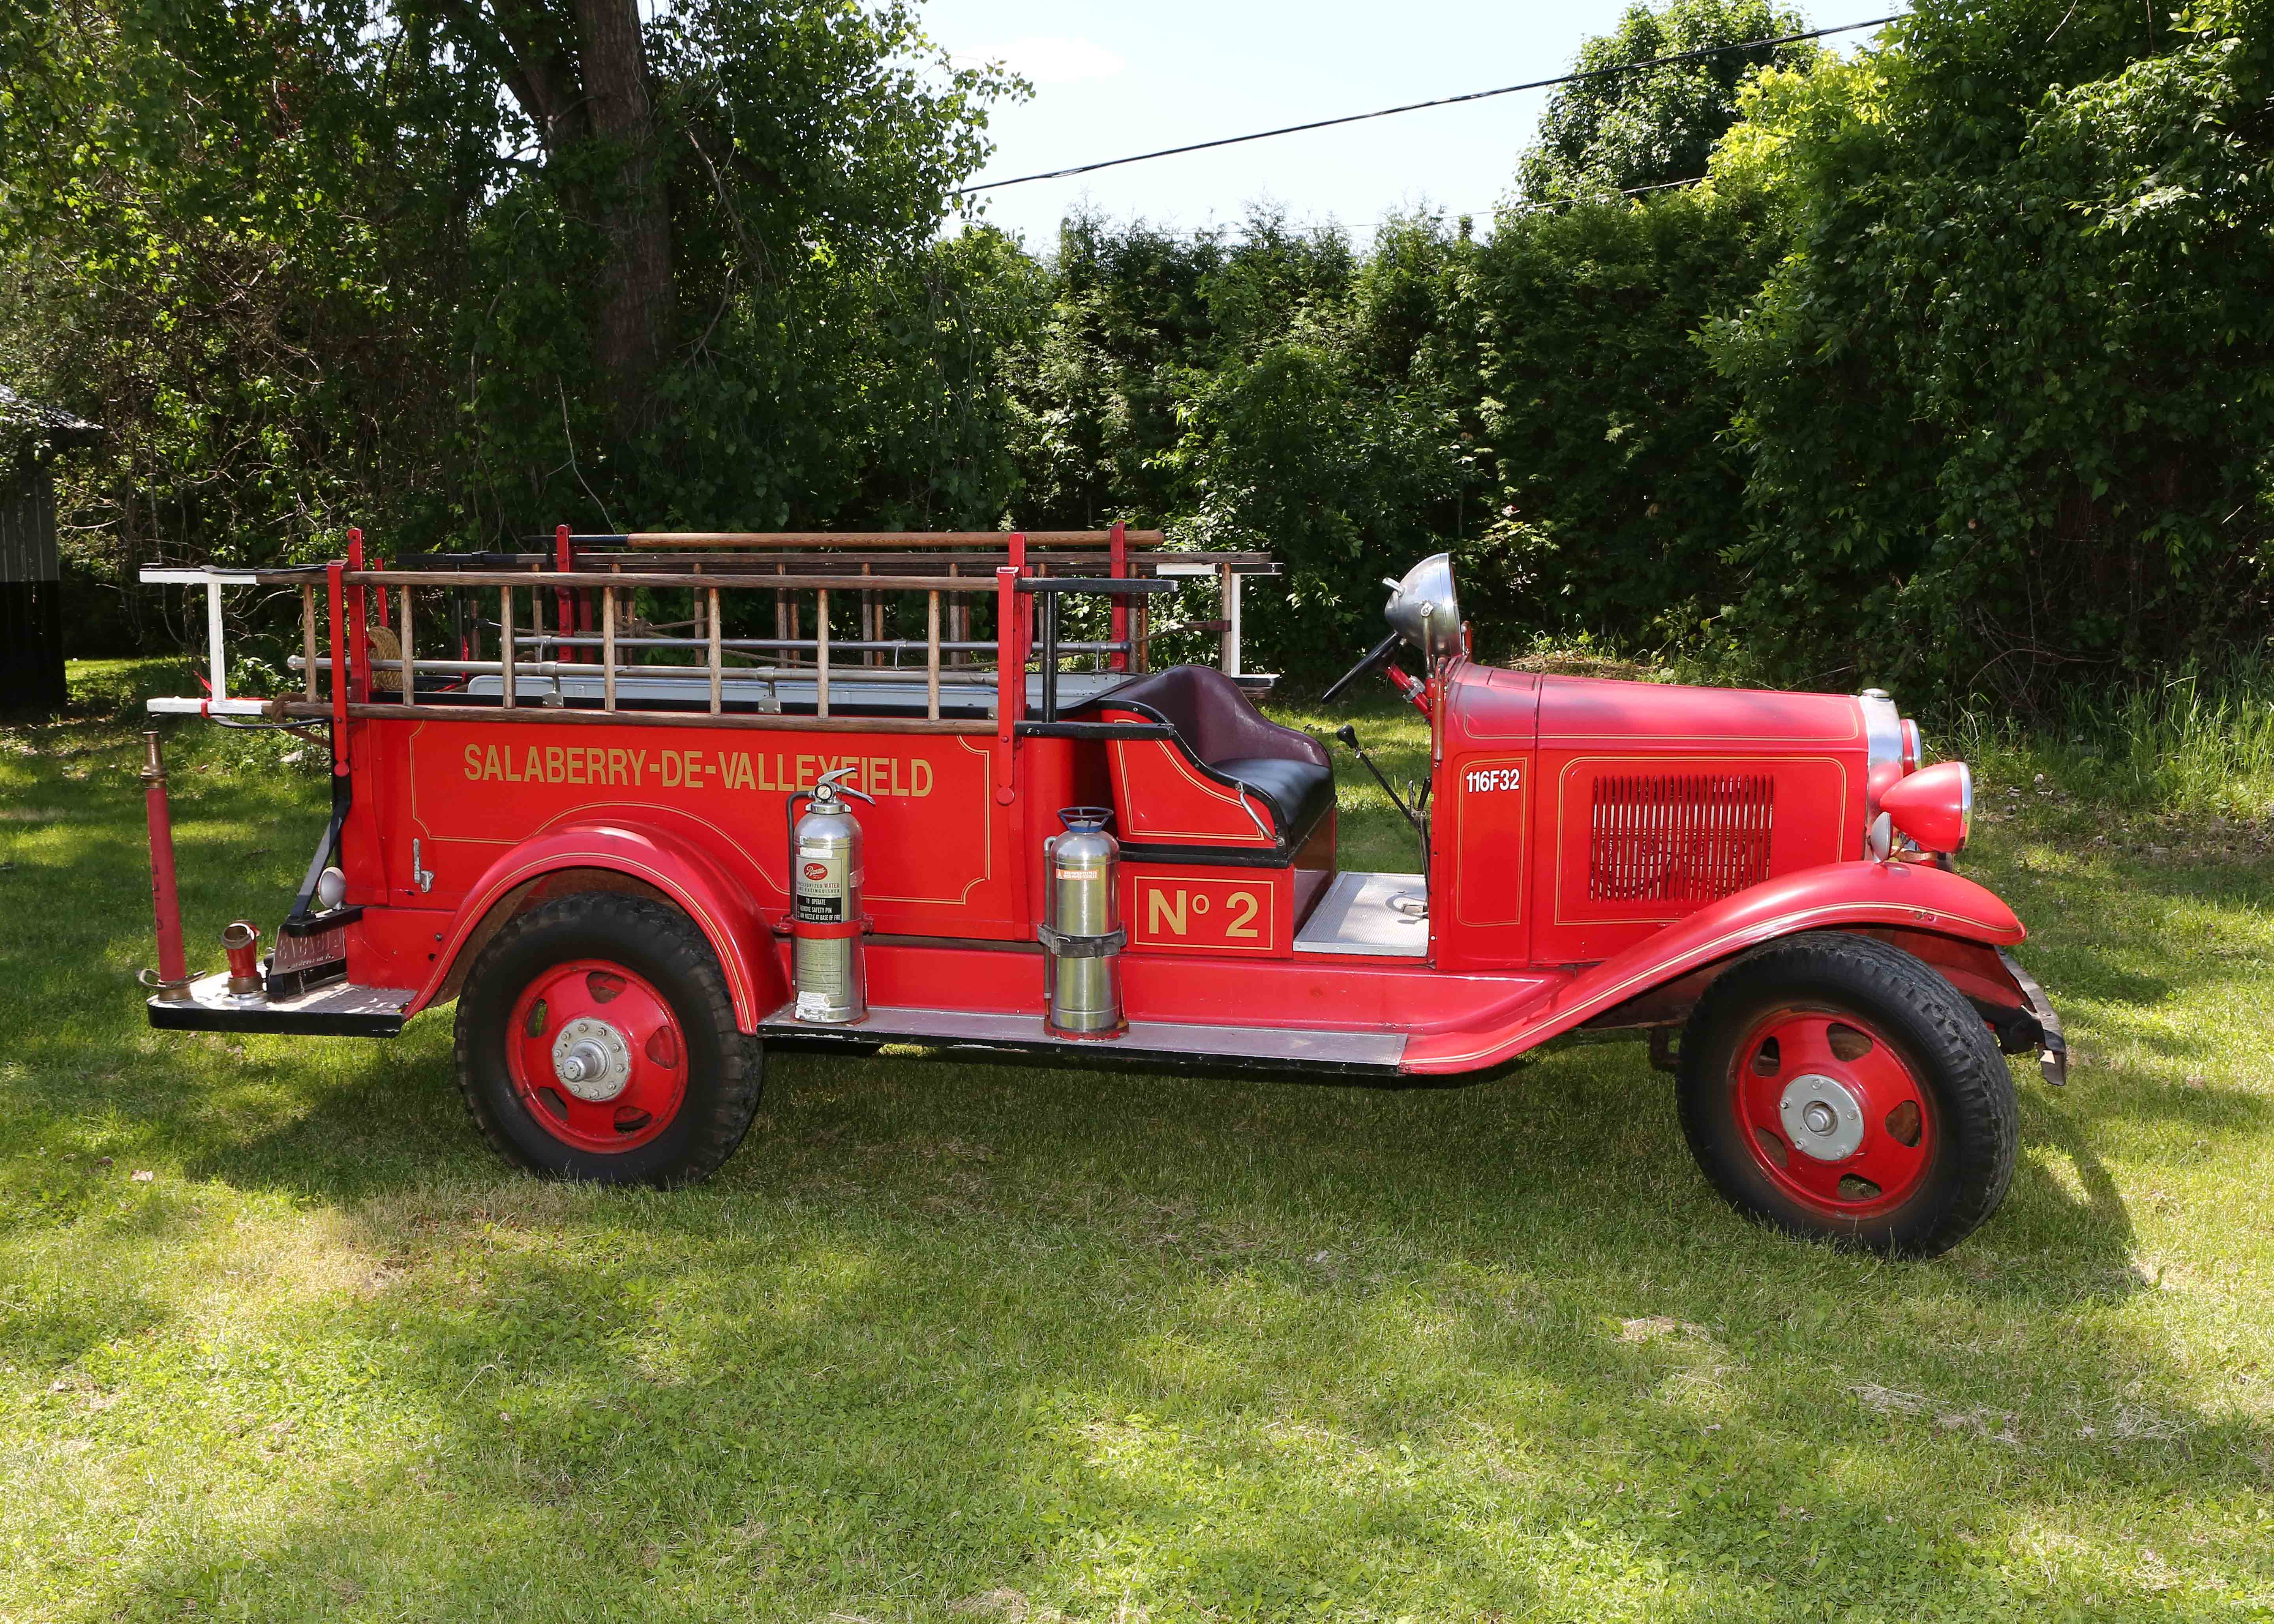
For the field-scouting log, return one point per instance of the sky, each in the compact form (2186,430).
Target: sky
(1114,80)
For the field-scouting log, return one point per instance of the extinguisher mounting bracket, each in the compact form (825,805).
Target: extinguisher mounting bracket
(1082,947)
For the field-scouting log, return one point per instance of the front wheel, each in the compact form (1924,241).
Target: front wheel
(596,1041)
(1838,1088)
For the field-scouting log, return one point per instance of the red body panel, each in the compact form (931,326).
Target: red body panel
(712,888)
(1903,895)
(1616,761)
(1590,840)
(942,855)
(1332,995)
(1162,800)
(1480,834)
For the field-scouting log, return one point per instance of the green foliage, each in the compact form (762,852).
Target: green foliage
(1623,132)
(1616,488)
(1957,375)
(227,233)
(312,267)
(2008,392)
(1259,390)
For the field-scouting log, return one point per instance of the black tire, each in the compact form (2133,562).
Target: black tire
(723,1068)
(1948,1051)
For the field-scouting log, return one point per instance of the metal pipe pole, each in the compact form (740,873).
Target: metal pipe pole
(173,982)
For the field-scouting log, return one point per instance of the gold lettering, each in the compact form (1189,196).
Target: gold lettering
(920,775)
(1160,911)
(473,760)
(1242,903)
(576,774)
(671,769)
(616,766)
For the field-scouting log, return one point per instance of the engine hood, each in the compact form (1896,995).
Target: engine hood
(1595,711)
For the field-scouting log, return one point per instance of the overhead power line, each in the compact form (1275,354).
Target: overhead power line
(1415,107)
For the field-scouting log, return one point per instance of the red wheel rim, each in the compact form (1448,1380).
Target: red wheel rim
(597,1056)
(1831,1113)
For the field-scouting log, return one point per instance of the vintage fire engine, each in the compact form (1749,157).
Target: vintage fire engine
(638,843)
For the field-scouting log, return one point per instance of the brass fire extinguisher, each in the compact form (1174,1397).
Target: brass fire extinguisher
(1081,932)
(825,921)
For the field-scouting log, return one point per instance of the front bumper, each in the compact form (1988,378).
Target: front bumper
(2047,1039)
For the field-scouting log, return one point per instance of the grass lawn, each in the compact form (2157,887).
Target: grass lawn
(280,1340)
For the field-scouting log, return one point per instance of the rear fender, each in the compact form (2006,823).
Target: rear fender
(645,860)
(1909,899)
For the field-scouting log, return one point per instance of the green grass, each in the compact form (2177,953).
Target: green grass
(952,1341)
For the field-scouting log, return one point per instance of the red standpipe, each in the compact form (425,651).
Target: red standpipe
(241,941)
(173,982)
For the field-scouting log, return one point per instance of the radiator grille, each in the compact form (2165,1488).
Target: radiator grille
(1679,837)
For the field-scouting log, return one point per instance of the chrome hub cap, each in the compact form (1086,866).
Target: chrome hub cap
(592,1060)
(1821,1117)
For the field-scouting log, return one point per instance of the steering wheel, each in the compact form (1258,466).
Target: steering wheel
(1374,658)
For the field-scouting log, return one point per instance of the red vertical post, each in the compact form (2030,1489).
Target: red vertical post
(339,672)
(379,598)
(358,663)
(564,560)
(1028,636)
(1119,660)
(165,899)
(1009,674)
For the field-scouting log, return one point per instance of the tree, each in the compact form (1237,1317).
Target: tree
(1616,487)
(1624,130)
(2011,391)
(456,269)
(579,75)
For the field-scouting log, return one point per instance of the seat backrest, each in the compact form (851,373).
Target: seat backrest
(1213,715)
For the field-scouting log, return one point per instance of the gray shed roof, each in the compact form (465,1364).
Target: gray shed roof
(28,426)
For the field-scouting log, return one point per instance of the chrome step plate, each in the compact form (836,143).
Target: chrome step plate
(1278,1048)
(341,1010)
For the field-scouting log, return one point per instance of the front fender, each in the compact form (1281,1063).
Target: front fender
(719,904)
(1907,896)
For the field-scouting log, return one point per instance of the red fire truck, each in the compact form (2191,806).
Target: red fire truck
(646,806)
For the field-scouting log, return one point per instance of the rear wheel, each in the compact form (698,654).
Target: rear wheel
(1837,1087)
(596,1040)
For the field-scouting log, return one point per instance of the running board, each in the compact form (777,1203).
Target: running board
(1355,1055)
(341,1010)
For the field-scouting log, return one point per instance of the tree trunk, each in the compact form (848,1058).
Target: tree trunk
(636,293)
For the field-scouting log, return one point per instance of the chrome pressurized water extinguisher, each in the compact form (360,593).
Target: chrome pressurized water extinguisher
(824,916)
(1082,938)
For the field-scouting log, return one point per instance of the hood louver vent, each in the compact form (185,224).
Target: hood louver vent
(1682,837)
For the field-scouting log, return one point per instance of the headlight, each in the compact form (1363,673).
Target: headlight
(1934,806)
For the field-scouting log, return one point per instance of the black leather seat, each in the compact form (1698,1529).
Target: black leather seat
(1299,793)
(1222,730)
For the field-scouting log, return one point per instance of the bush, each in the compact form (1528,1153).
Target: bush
(2009,391)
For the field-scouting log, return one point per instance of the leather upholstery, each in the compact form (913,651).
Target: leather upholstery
(1299,793)
(1288,770)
